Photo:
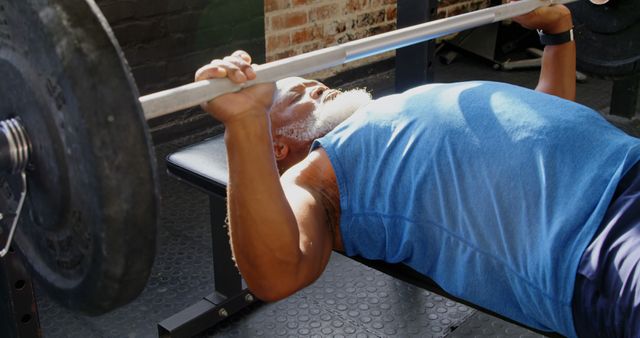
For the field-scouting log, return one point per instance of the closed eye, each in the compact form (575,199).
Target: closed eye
(297,97)
(296,93)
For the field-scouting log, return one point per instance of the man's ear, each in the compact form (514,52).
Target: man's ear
(281,150)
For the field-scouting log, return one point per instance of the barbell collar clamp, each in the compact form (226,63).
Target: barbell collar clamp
(15,146)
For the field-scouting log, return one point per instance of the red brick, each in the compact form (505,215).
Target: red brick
(355,5)
(305,35)
(274,5)
(288,20)
(329,40)
(278,42)
(322,13)
(282,55)
(392,13)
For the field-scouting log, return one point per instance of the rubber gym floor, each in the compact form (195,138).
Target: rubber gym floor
(349,300)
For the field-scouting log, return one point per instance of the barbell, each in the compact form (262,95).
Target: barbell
(73,130)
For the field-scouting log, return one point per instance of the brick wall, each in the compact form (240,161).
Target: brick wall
(297,26)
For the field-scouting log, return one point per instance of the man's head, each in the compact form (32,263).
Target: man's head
(304,110)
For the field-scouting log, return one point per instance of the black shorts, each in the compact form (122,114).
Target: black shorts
(606,299)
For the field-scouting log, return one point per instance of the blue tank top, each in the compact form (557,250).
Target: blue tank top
(492,190)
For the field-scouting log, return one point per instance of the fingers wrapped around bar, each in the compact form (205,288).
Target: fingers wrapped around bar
(237,67)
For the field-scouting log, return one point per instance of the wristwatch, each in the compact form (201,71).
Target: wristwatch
(555,39)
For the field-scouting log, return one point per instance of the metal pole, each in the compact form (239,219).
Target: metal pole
(171,100)
(414,64)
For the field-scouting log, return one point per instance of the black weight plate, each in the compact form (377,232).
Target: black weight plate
(610,18)
(89,223)
(607,37)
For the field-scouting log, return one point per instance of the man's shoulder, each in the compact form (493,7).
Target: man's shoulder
(314,171)
(315,175)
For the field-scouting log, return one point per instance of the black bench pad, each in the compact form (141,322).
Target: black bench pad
(203,165)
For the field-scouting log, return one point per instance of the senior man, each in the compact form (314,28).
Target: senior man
(520,201)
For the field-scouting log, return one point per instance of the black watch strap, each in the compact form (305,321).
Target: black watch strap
(555,39)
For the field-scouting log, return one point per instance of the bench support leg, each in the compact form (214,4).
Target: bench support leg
(230,294)
(228,281)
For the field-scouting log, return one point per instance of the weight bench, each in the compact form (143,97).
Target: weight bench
(204,166)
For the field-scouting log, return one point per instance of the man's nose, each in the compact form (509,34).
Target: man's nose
(317,91)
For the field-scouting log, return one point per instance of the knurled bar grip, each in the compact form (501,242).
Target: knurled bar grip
(171,100)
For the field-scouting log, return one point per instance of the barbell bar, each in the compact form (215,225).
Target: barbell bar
(72,120)
(171,100)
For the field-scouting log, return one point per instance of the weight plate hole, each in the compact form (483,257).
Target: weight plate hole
(20,284)
(26,318)
(11,249)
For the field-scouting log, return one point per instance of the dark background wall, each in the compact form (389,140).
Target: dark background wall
(165,41)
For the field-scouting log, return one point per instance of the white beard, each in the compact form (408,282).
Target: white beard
(329,115)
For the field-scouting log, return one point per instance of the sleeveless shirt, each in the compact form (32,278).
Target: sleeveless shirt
(492,190)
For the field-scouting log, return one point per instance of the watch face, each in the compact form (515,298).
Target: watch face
(599,2)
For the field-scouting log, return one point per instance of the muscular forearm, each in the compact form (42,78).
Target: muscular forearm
(558,73)
(263,229)
(277,250)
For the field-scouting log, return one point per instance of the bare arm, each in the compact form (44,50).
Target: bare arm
(558,73)
(279,233)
